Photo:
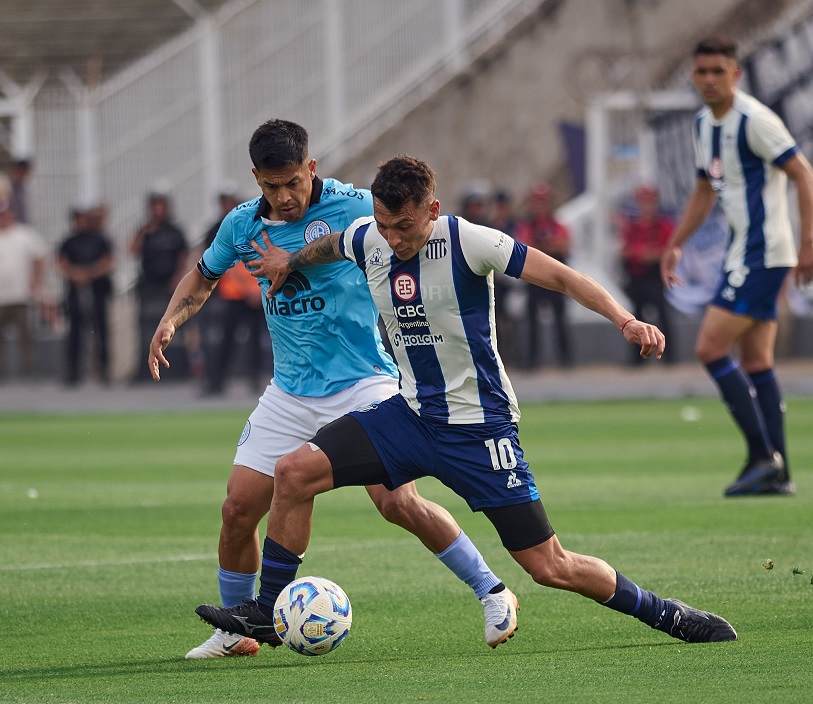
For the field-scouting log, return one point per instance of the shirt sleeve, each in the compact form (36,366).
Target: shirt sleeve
(351,243)
(487,250)
(768,137)
(221,255)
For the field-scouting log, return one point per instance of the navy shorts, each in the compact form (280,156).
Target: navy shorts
(751,292)
(482,463)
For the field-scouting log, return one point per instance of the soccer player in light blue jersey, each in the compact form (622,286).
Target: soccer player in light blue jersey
(744,155)
(455,418)
(328,361)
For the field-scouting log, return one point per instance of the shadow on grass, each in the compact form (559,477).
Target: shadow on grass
(155,666)
(177,665)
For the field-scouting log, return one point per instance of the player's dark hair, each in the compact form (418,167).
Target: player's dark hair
(401,180)
(278,143)
(716,45)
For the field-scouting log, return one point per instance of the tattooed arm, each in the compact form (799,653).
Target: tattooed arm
(275,264)
(192,292)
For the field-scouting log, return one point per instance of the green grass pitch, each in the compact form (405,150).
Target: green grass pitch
(108,534)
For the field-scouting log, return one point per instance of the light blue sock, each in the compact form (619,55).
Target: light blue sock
(235,586)
(462,558)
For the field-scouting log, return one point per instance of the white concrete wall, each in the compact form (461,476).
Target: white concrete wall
(500,123)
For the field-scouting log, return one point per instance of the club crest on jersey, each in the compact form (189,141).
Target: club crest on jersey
(716,175)
(315,230)
(436,249)
(405,287)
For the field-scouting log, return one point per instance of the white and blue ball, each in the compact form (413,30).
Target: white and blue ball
(312,615)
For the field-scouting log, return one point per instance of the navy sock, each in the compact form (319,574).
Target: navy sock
(740,397)
(770,402)
(647,607)
(279,569)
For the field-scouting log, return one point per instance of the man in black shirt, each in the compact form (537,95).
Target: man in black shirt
(86,262)
(161,248)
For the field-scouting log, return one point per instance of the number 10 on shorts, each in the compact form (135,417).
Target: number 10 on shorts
(502,454)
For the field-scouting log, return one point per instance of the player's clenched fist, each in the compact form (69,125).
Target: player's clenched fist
(649,337)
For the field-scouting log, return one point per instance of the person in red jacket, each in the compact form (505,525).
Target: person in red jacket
(644,233)
(541,230)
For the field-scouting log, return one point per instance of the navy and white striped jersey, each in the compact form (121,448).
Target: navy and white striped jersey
(740,155)
(438,308)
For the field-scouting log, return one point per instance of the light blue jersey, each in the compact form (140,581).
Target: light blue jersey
(323,322)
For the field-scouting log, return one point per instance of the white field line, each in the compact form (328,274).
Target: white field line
(369,545)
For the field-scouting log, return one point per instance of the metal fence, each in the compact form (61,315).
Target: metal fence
(179,120)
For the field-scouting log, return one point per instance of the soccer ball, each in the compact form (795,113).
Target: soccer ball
(312,615)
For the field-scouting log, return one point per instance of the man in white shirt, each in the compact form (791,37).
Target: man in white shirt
(744,155)
(22,267)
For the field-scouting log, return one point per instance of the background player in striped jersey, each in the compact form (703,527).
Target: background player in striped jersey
(744,154)
(455,418)
(328,360)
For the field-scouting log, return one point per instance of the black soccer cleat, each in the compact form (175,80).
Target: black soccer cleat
(694,626)
(245,619)
(765,476)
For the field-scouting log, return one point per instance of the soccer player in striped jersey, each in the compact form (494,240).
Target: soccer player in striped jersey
(744,155)
(455,418)
(328,360)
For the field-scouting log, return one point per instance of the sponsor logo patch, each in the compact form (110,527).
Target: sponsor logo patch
(405,287)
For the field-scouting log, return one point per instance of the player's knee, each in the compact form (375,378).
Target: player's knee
(293,479)
(547,576)
(238,516)
(759,362)
(706,353)
(555,571)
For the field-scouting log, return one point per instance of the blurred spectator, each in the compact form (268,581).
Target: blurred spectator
(161,248)
(503,219)
(644,233)
(502,213)
(241,312)
(542,230)
(86,261)
(238,313)
(22,267)
(475,203)
(20,176)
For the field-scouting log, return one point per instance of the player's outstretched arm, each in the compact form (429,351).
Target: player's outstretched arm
(191,293)
(542,270)
(275,263)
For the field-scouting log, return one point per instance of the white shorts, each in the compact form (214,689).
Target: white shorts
(282,422)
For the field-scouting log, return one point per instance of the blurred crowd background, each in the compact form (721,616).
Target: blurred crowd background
(124,130)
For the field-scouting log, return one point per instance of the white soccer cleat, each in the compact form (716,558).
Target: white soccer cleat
(500,612)
(222,645)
